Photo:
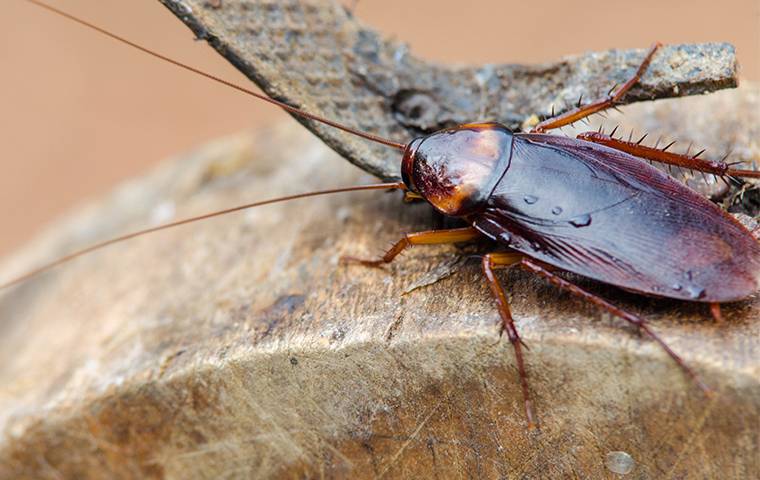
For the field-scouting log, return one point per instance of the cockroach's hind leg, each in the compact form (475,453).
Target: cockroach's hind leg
(491,262)
(719,168)
(637,321)
(431,237)
(610,101)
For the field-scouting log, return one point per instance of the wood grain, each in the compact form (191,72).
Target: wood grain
(239,348)
(315,55)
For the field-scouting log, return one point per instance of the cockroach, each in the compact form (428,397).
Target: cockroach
(591,205)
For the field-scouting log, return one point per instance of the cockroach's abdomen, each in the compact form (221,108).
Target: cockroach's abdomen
(457,169)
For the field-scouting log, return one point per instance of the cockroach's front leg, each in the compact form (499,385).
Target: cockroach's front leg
(639,322)
(661,155)
(715,312)
(431,237)
(502,260)
(599,105)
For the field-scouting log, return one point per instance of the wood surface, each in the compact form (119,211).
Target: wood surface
(316,55)
(240,348)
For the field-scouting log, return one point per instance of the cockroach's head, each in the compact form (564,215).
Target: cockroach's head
(457,169)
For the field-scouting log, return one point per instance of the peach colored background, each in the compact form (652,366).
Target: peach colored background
(80,113)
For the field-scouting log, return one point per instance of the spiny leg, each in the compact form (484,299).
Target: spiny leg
(639,322)
(599,105)
(431,237)
(502,260)
(663,156)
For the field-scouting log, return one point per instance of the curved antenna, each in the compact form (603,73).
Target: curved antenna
(283,105)
(98,246)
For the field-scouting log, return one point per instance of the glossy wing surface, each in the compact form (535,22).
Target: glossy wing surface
(612,217)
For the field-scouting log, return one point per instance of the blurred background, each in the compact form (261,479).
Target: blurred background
(81,113)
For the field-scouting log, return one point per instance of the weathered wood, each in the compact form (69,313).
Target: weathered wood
(315,55)
(238,348)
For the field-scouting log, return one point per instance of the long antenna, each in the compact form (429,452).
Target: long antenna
(98,246)
(284,106)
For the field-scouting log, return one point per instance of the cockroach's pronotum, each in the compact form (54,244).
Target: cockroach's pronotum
(590,205)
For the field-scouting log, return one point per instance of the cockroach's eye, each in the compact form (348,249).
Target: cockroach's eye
(457,169)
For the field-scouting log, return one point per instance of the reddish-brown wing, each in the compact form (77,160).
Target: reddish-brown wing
(607,215)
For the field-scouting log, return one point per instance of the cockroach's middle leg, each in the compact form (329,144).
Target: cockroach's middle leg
(502,260)
(430,237)
(599,105)
(639,322)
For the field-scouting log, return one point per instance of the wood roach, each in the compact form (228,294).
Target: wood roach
(590,205)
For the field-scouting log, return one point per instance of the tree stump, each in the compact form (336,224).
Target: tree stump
(239,347)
